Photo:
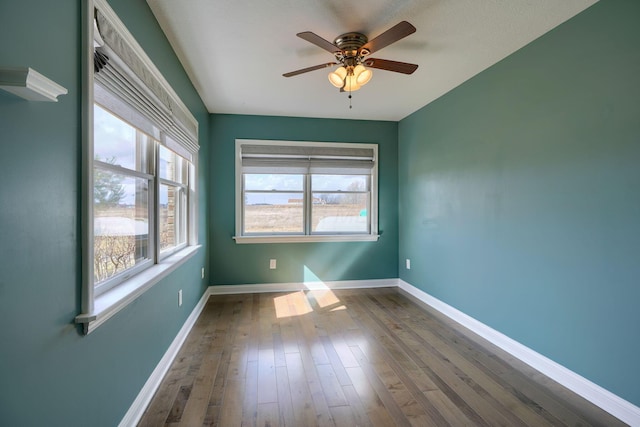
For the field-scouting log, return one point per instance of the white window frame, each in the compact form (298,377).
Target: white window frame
(121,277)
(239,238)
(99,307)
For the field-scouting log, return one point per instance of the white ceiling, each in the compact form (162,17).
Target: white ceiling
(235,51)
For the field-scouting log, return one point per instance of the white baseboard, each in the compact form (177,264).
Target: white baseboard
(135,412)
(299,286)
(615,405)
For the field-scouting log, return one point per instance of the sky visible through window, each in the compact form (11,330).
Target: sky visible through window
(115,142)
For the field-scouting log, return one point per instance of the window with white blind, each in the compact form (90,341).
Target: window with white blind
(305,191)
(142,147)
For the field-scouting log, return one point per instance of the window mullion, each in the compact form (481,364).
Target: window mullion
(307,204)
(154,205)
(242,204)
(188,207)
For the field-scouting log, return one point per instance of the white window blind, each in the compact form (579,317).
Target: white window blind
(122,72)
(307,159)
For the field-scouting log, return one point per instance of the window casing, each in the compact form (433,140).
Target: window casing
(139,166)
(305,191)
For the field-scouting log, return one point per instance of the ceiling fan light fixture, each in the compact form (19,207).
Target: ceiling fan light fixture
(337,77)
(362,75)
(351,52)
(351,84)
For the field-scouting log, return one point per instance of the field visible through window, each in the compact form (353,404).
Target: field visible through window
(288,218)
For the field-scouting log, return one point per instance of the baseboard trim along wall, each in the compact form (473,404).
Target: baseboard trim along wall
(615,405)
(301,286)
(135,412)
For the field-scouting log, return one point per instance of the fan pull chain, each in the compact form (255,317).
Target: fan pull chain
(350,107)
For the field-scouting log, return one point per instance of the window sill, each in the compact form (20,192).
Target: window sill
(114,300)
(307,239)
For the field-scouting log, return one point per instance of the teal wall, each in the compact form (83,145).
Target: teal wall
(520,201)
(233,263)
(50,374)
(518,197)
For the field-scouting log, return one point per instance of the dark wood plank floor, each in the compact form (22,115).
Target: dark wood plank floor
(371,357)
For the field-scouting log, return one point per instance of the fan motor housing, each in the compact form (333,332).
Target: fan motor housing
(350,43)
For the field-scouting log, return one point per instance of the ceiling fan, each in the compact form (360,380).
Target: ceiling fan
(352,51)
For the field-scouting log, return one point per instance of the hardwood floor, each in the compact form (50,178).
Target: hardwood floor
(373,357)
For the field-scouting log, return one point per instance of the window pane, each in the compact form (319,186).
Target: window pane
(117,142)
(173,224)
(339,182)
(121,223)
(273,213)
(268,182)
(172,166)
(340,213)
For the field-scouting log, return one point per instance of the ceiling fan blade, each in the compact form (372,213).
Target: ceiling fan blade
(306,70)
(385,64)
(318,41)
(392,35)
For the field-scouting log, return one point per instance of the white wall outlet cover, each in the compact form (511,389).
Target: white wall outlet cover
(272,264)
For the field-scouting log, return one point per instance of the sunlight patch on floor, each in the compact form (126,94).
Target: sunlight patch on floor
(324,298)
(300,303)
(294,304)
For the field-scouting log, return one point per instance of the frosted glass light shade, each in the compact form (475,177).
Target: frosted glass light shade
(351,84)
(337,77)
(363,77)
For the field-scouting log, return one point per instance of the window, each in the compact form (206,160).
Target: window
(122,204)
(174,180)
(303,191)
(142,147)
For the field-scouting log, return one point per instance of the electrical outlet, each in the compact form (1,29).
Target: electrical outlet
(272,264)
(203,272)
(180,298)
(408,263)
